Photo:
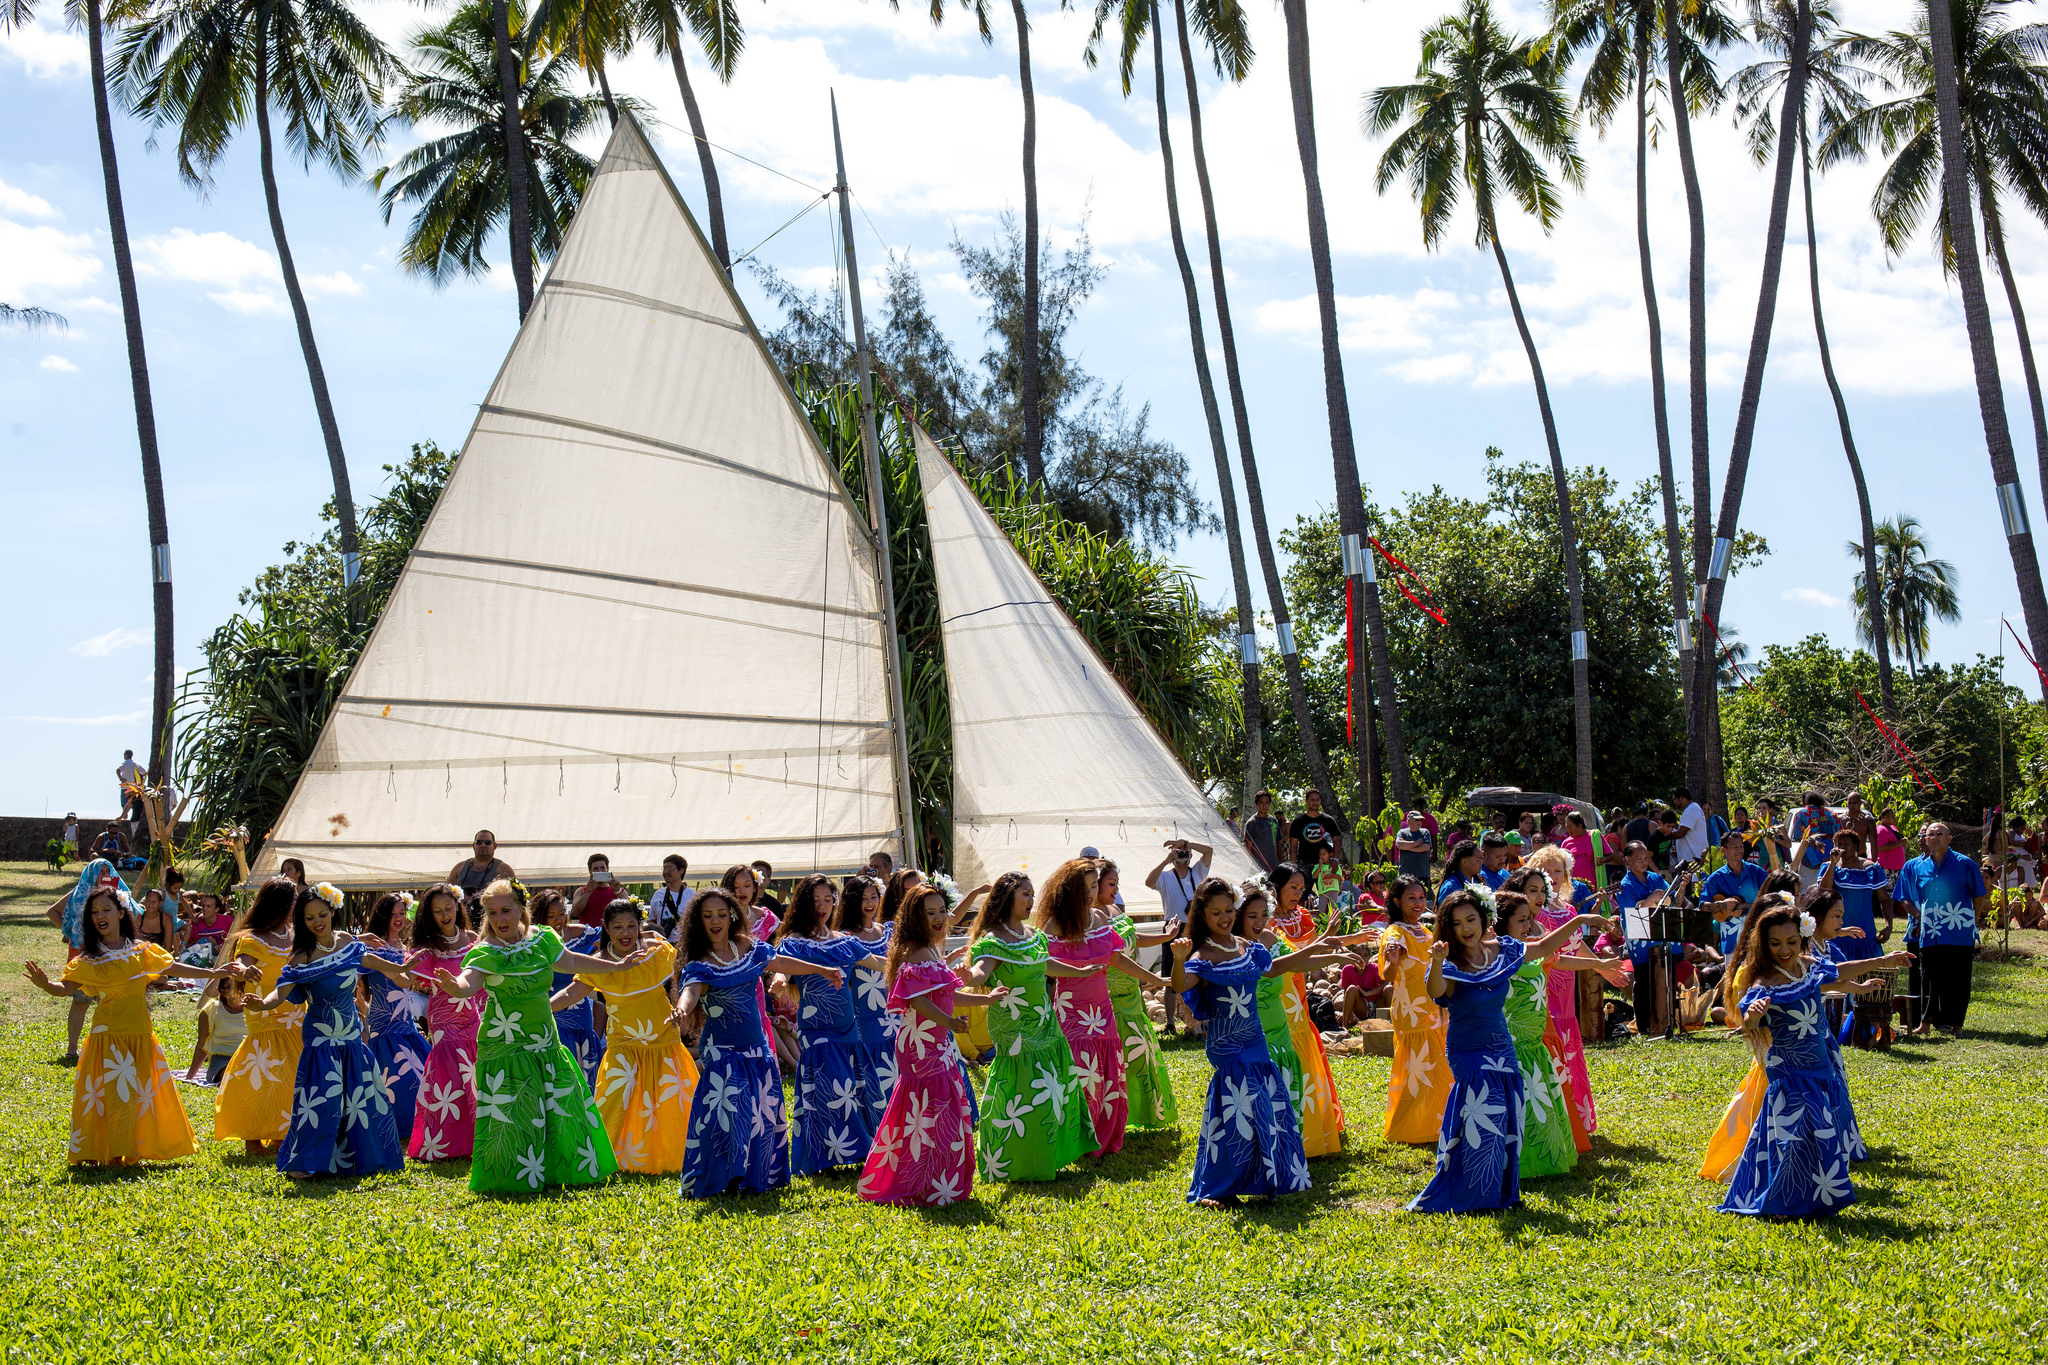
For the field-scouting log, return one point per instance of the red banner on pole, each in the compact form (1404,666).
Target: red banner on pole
(1350,666)
(1429,608)
(1899,746)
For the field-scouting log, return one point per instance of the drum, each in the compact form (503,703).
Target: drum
(1871,1014)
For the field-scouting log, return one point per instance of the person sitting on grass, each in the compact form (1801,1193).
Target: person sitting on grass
(222,1027)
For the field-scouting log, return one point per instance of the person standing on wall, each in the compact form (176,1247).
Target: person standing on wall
(130,774)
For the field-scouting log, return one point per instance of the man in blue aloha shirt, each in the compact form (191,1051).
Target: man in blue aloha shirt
(1731,889)
(1944,893)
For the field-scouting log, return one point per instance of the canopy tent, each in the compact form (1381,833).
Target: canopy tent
(1050,753)
(645,615)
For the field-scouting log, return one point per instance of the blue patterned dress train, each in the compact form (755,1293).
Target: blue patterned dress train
(577,1025)
(839,1093)
(1796,1163)
(395,1038)
(1250,1139)
(739,1139)
(344,1121)
(1479,1148)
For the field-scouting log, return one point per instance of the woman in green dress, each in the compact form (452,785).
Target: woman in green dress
(1547,1144)
(1252,913)
(1149,1086)
(536,1124)
(1034,1118)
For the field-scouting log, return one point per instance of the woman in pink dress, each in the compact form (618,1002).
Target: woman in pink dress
(923,1152)
(1562,983)
(1579,844)
(444,1116)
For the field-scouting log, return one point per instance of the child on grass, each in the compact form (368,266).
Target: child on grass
(222,1027)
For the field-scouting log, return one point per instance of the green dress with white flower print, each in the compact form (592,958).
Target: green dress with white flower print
(1280,1035)
(536,1124)
(1034,1118)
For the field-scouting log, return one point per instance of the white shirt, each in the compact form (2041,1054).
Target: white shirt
(1692,834)
(129,771)
(1177,889)
(666,903)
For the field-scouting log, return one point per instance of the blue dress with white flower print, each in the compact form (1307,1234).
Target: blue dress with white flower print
(343,1112)
(739,1139)
(839,1095)
(395,1039)
(1479,1147)
(1839,953)
(577,1025)
(1796,1163)
(1250,1140)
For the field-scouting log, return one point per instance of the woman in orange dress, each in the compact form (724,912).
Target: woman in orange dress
(1322,1114)
(255,1100)
(1421,1082)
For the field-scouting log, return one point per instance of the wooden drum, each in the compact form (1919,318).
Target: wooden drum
(1872,1012)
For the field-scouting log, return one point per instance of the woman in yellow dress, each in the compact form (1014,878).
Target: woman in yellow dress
(646,1080)
(1322,1114)
(254,1105)
(124,1104)
(1420,1085)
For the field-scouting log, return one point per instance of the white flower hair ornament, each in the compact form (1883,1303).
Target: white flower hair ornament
(1251,886)
(1807,925)
(947,887)
(329,892)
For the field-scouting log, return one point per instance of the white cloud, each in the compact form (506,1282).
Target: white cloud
(17,203)
(248,301)
(59,364)
(216,258)
(44,50)
(127,718)
(340,282)
(99,646)
(37,263)
(1812,597)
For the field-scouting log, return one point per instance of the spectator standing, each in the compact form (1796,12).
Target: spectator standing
(598,891)
(1854,817)
(1493,859)
(1262,833)
(1184,868)
(1429,823)
(880,865)
(764,875)
(1664,839)
(1769,845)
(1889,848)
(1578,841)
(1944,893)
(71,831)
(1813,835)
(1640,830)
(1312,831)
(130,774)
(1463,869)
(665,908)
(1691,839)
(1411,848)
(482,867)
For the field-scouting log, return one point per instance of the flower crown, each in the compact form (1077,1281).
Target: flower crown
(329,892)
(1252,886)
(519,893)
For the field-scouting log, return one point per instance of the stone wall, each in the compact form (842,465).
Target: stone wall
(23,837)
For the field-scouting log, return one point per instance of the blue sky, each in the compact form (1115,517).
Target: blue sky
(1435,370)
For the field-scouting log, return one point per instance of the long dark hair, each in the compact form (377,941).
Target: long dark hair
(1066,902)
(1455,864)
(425,934)
(800,915)
(620,905)
(384,911)
(91,935)
(914,931)
(895,889)
(303,942)
(1754,954)
(853,893)
(995,910)
(1446,918)
(1282,874)
(729,883)
(696,942)
(541,907)
(1198,919)
(272,906)
(1506,903)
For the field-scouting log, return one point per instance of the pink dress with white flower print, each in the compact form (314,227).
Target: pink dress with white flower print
(1089,1021)
(444,1117)
(923,1153)
(1563,986)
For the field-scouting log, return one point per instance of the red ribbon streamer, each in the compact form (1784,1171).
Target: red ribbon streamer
(1429,607)
(1899,745)
(2023,648)
(1350,667)
(1724,651)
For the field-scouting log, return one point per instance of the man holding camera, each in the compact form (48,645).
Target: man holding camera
(596,893)
(1185,867)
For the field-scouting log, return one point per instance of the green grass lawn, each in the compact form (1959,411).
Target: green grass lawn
(1944,1258)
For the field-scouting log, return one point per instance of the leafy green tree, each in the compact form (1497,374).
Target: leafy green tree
(460,179)
(1913,589)
(1487,111)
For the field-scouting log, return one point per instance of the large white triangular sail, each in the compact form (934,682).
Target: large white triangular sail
(1050,754)
(644,617)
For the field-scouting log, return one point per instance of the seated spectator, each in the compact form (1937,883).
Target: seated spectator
(1731,889)
(1372,897)
(110,845)
(1362,992)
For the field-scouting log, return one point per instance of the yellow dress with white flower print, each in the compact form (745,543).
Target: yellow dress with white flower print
(1420,1085)
(255,1099)
(124,1104)
(646,1079)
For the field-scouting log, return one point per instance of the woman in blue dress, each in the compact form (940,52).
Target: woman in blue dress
(390,1008)
(739,1139)
(343,1116)
(1796,1162)
(859,915)
(839,1095)
(1479,1146)
(1250,1139)
(1862,883)
(580,1024)
(1835,942)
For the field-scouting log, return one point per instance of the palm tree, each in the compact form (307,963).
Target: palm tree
(34,319)
(1912,589)
(717,28)
(459,180)
(1136,17)
(1729,659)
(1488,111)
(1790,120)
(1834,81)
(1351,519)
(204,66)
(594,30)
(1224,34)
(2004,99)
(86,14)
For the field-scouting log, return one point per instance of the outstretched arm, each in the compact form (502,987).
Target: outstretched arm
(1541,949)
(57,988)
(1130,968)
(458,986)
(569,996)
(796,966)
(581,964)
(1856,971)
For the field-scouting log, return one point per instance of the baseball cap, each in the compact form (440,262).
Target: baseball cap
(1090,852)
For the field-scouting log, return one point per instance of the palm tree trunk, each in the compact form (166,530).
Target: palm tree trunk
(1568,535)
(1994,246)
(1696,344)
(1269,567)
(1343,455)
(1871,595)
(1248,654)
(1028,383)
(1674,541)
(714,202)
(1760,332)
(145,408)
(519,209)
(316,374)
(1977,318)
